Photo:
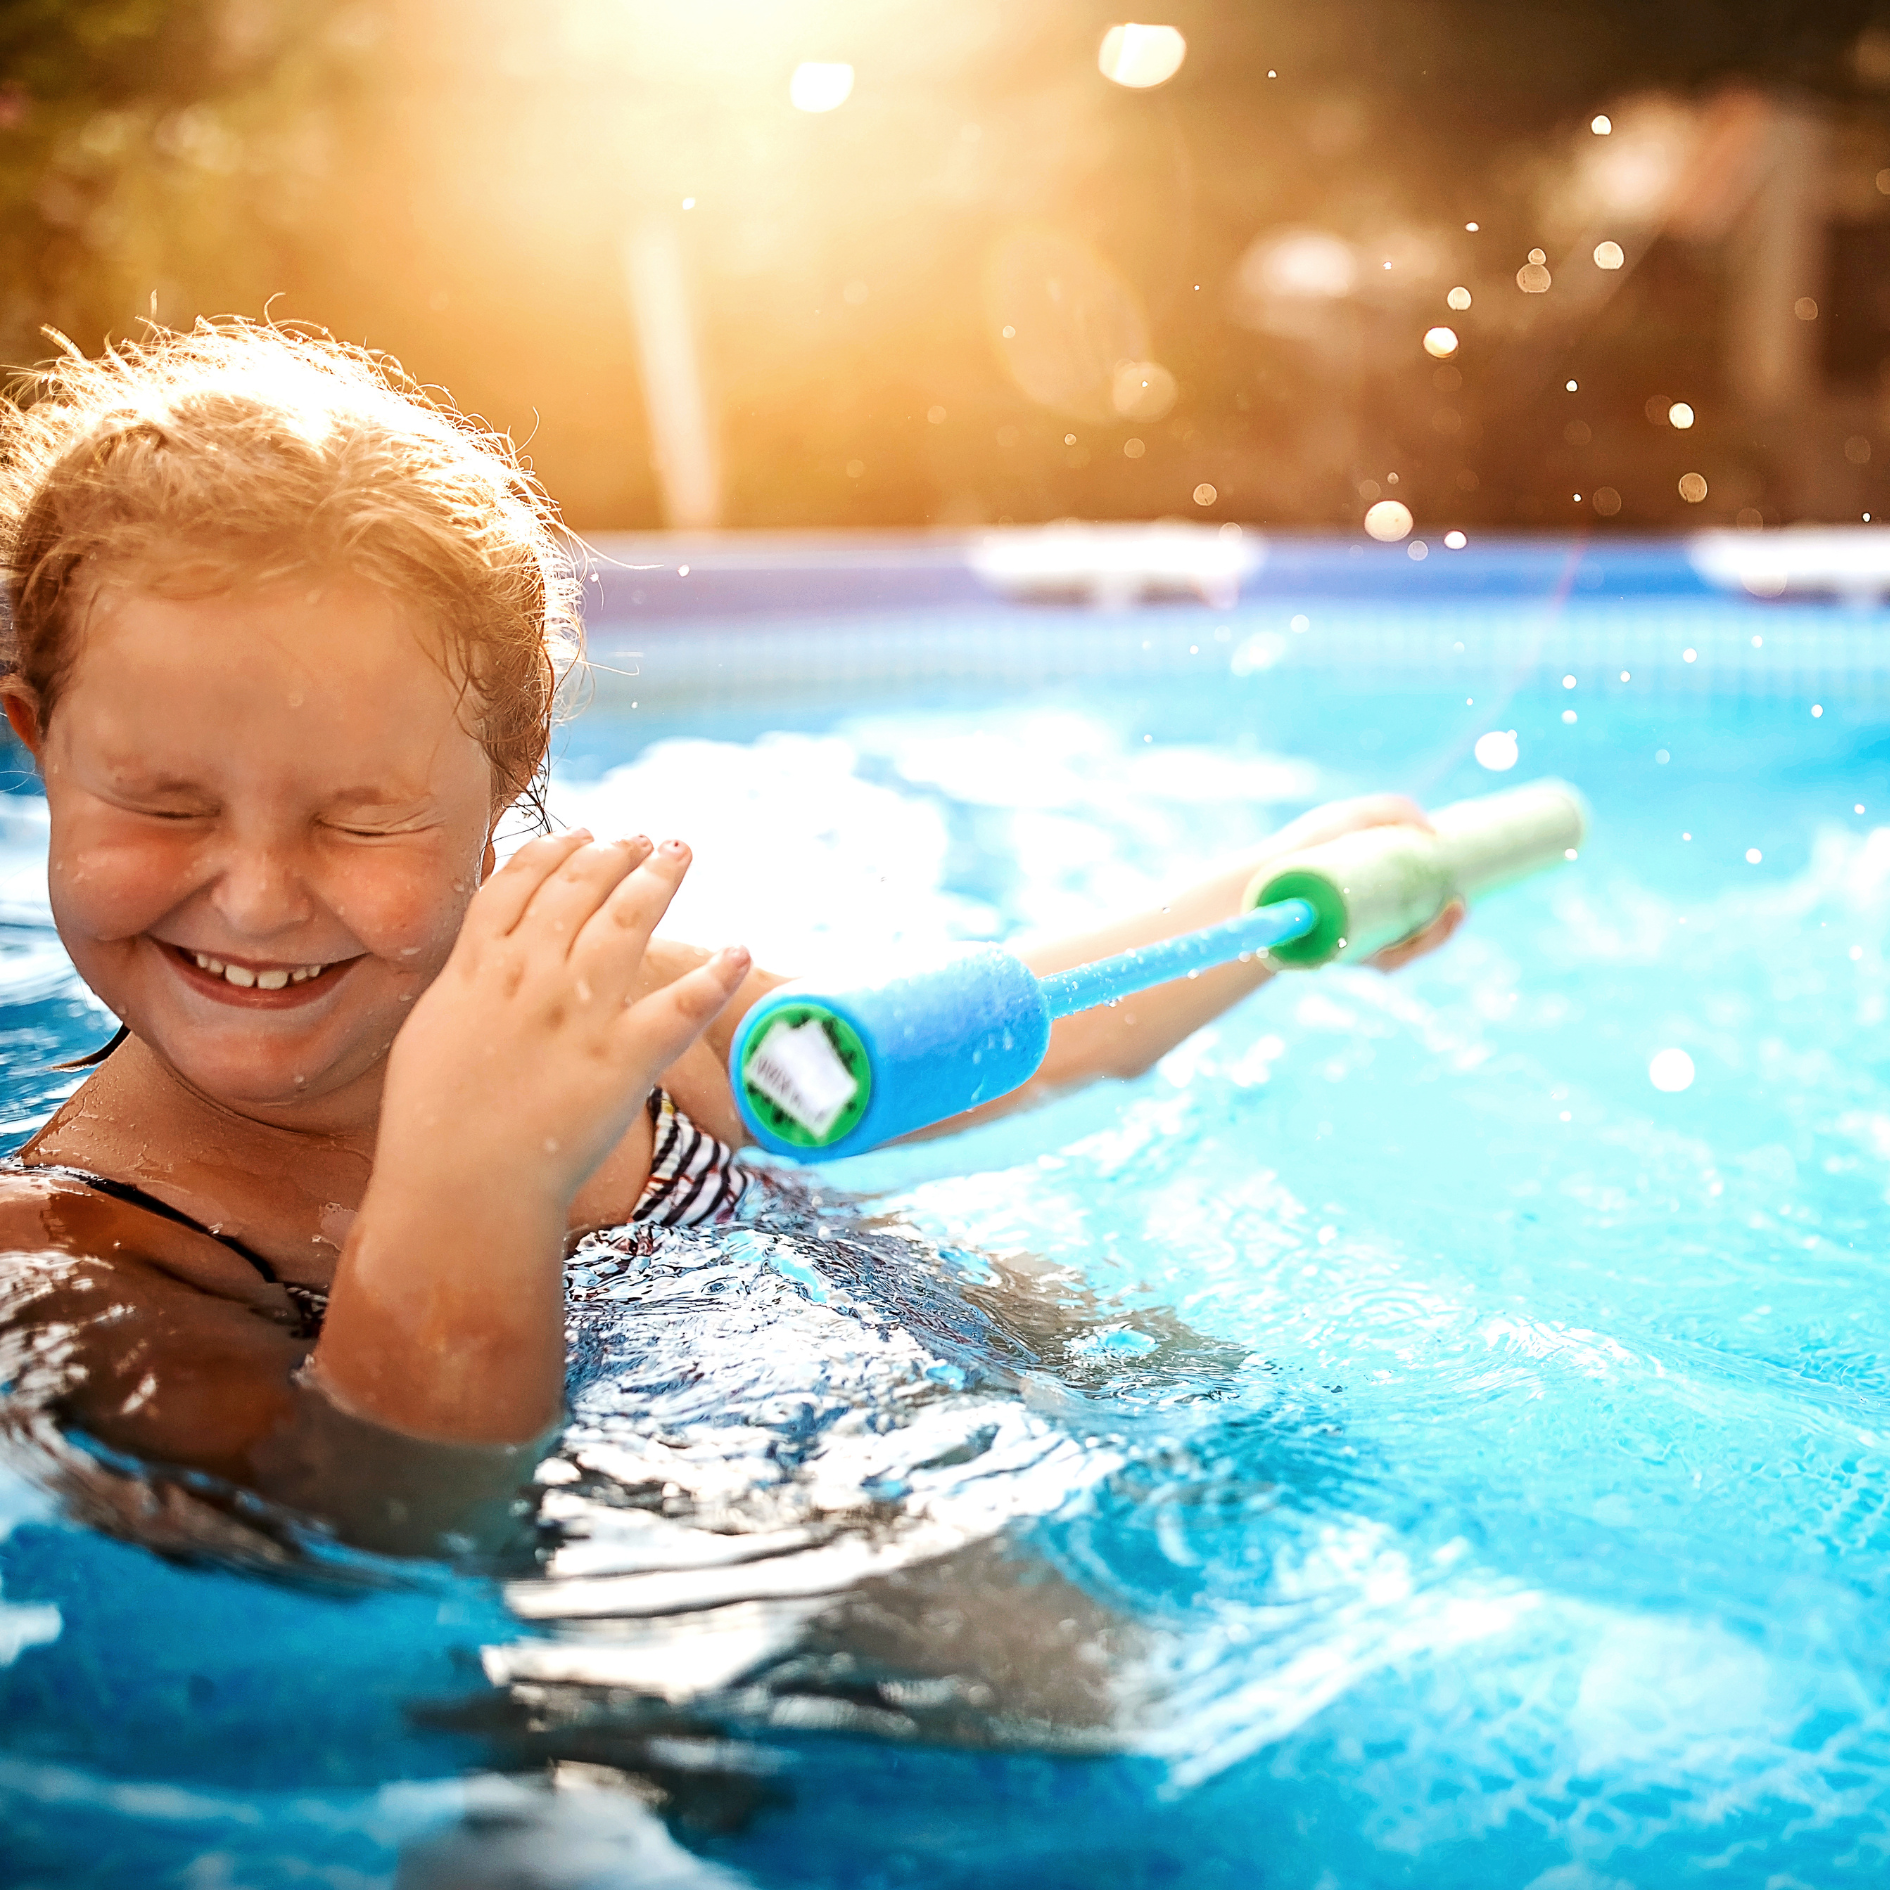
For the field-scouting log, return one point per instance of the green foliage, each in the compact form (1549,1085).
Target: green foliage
(154,154)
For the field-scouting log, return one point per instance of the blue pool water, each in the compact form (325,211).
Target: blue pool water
(1391,1443)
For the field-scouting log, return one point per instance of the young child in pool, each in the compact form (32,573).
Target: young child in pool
(284,640)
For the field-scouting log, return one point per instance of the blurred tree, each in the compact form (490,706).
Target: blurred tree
(454,180)
(157,155)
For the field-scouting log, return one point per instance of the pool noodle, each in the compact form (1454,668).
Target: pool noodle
(937,1038)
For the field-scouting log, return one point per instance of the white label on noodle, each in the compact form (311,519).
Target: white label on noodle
(797,1068)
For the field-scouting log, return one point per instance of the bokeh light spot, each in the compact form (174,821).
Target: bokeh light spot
(1440,342)
(1388,521)
(1680,415)
(820,85)
(1205,494)
(1141,390)
(1141,56)
(1609,256)
(1692,487)
(1671,1071)
(1458,298)
(1497,750)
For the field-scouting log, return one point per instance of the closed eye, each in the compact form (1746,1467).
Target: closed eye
(392,830)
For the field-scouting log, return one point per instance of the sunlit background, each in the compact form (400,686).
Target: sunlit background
(1371,264)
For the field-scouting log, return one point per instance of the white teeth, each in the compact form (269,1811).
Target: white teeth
(244,979)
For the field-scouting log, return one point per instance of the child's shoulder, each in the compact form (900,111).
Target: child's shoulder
(51,1214)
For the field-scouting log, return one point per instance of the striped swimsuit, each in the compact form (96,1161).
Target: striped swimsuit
(694,1178)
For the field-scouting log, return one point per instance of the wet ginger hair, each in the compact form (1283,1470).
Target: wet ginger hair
(242,453)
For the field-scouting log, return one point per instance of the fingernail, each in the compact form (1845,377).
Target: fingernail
(674,846)
(731,956)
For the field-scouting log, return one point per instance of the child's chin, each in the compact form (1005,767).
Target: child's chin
(243,1079)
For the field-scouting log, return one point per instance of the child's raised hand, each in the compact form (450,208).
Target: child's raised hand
(1339,818)
(522,1066)
(527,1057)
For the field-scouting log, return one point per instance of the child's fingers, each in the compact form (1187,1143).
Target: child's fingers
(500,903)
(1428,940)
(664,1024)
(609,950)
(567,898)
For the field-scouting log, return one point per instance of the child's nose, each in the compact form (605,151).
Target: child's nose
(259,892)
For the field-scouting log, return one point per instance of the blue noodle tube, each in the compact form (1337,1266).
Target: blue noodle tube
(822,1069)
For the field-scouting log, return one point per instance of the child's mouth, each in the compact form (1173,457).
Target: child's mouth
(253,984)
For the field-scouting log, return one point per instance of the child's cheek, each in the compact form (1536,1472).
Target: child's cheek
(110,887)
(404,906)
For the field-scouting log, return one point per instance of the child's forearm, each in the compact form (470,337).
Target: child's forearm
(446,1319)
(1128,1037)
(1125,1038)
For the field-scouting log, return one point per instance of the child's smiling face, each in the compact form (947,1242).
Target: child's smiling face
(268,816)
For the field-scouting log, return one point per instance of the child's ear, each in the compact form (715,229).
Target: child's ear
(22,706)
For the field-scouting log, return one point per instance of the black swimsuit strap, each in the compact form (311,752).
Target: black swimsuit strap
(133,1196)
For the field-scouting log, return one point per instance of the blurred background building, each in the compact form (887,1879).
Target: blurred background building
(1591,263)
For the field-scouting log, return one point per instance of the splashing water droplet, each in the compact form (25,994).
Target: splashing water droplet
(1389,520)
(1670,1070)
(1497,750)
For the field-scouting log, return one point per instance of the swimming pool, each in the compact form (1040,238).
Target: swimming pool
(1392,1442)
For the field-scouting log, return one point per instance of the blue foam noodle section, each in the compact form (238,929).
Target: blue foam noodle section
(943,1036)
